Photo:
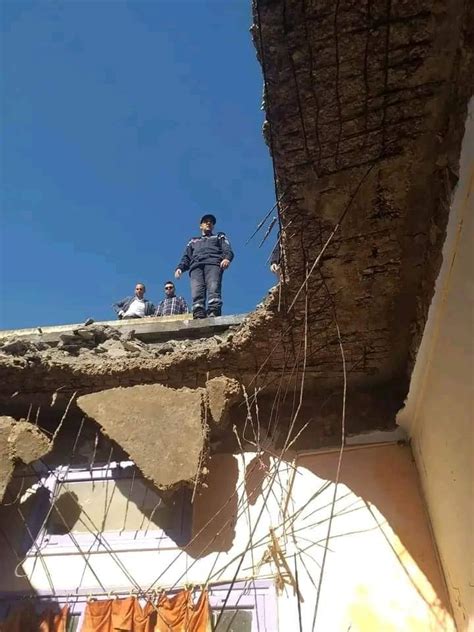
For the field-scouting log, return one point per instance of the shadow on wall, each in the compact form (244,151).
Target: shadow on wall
(133,505)
(215,509)
(386,480)
(381,550)
(41,615)
(15,539)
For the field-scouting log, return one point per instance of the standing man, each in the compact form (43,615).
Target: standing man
(171,304)
(135,306)
(275,259)
(206,257)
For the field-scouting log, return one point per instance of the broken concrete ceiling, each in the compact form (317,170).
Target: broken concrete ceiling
(365,107)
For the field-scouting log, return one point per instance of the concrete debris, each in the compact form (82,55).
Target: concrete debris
(27,442)
(86,334)
(114,348)
(136,345)
(19,440)
(162,429)
(6,466)
(15,347)
(222,392)
(130,335)
(166,347)
(89,343)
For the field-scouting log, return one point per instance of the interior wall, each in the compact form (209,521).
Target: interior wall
(380,570)
(439,407)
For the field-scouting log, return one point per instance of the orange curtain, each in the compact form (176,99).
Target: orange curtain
(54,622)
(179,614)
(119,614)
(25,619)
(171,614)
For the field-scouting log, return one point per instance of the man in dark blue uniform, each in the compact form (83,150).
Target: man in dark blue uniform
(206,257)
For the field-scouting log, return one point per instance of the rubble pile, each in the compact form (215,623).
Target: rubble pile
(91,341)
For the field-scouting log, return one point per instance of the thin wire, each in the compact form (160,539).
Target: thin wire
(266,216)
(77,437)
(264,505)
(268,231)
(205,429)
(300,620)
(339,460)
(17,497)
(100,538)
(56,432)
(102,528)
(38,553)
(130,492)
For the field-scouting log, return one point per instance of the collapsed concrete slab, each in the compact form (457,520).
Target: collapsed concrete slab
(19,441)
(160,428)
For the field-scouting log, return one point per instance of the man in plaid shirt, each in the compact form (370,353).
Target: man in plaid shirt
(171,304)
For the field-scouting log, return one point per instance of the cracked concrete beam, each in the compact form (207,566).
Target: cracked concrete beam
(19,440)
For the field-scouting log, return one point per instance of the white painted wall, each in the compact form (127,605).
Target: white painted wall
(438,414)
(381,572)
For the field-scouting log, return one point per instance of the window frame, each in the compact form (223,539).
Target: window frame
(118,540)
(256,595)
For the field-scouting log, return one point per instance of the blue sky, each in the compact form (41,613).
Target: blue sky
(123,122)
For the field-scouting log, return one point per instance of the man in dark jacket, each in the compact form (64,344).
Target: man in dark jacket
(206,257)
(135,306)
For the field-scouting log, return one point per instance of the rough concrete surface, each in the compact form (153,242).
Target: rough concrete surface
(19,440)
(6,465)
(365,107)
(160,428)
(222,393)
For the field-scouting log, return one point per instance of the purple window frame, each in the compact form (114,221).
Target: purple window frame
(117,540)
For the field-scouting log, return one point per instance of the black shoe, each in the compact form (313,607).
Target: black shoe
(199,313)
(212,313)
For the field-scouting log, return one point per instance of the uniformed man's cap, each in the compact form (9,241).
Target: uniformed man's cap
(208,218)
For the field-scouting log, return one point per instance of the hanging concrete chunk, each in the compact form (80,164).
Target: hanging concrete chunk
(19,440)
(223,392)
(161,429)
